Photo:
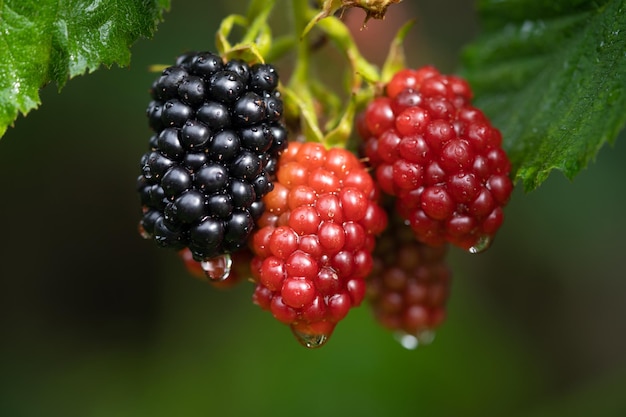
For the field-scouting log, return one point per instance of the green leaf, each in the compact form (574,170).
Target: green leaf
(552,77)
(54,40)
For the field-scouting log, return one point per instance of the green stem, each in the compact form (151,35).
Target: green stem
(300,13)
(299,82)
(360,70)
(303,97)
(258,7)
(280,47)
(339,34)
(258,13)
(226,26)
(257,39)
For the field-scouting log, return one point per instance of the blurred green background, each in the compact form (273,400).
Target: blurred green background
(97,322)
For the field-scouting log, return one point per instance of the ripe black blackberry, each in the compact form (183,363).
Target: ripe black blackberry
(213,154)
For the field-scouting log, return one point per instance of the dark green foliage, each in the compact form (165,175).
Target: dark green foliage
(552,75)
(53,40)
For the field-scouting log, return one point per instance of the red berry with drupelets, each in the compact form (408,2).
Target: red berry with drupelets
(409,284)
(440,156)
(313,244)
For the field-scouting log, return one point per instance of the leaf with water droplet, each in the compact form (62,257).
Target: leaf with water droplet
(551,76)
(45,41)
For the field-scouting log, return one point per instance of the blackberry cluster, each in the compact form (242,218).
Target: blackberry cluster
(410,282)
(213,155)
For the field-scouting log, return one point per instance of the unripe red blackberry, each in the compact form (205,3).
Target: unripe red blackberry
(314,242)
(409,285)
(217,134)
(439,156)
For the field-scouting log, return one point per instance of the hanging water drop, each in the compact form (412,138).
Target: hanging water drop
(218,268)
(481,244)
(309,340)
(413,341)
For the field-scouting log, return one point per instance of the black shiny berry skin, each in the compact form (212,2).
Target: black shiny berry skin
(211,178)
(156,165)
(217,133)
(249,109)
(224,146)
(273,107)
(149,219)
(257,209)
(238,227)
(263,78)
(175,113)
(226,87)
(207,235)
(157,198)
(220,205)
(263,184)
(215,115)
(246,166)
(255,138)
(194,161)
(167,236)
(154,112)
(166,86)
(168,143)
(241,68)
(189,207)
(195,135)
(175,181)
(204,64)
(242,193)
(278,135)
(191,90)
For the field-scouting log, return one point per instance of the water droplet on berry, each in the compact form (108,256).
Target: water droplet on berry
(413,341)
(481,244)
(310,341)
(218,268)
